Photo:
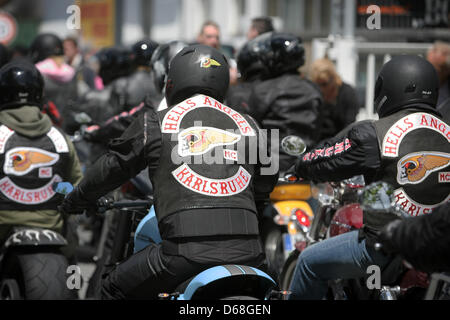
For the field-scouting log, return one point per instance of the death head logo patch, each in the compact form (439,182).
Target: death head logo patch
(199,140)
(20,161)
(416,167)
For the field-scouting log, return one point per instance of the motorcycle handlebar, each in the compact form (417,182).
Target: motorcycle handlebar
(104,204)
(290,178)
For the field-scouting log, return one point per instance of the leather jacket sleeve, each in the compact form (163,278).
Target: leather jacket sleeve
(138,147)
(266,173)
(353,151)
(424,241)
(115,126)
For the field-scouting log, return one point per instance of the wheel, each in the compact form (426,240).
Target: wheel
(9,290)
(273,246)
(288,270)
(44,276)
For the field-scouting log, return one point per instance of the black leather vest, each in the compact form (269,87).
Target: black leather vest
(415,157)
(208,158)
(29,167)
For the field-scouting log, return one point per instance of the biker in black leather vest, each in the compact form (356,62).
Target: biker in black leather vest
(408,147)
(204,165)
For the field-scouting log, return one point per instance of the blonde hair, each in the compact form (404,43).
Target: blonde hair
(323,70)
(207,24)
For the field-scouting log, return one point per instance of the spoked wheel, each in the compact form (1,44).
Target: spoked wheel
(9,290)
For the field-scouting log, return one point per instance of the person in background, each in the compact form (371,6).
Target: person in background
(283,100)
(71,53)
(259,26)
(250,72)
(439,56)
(161,60)
(209,35)
(128,92)
(114,63)
(76,60)
(340,101)
(47,53)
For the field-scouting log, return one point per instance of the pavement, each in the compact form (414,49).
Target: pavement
(87,269)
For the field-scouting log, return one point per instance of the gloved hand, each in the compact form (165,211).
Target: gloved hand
(76,203)
(387,239)
(90,132)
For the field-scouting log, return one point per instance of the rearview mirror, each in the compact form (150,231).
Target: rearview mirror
(293,145)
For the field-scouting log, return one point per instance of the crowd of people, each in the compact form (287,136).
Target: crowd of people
(120,98)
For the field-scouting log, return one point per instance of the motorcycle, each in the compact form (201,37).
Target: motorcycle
(337,213)
(341,210)
(225,282)
(32,266)
(288,218)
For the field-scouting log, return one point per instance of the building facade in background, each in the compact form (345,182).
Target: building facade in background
(335,28)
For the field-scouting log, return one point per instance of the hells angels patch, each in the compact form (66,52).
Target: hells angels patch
(172,120)
(28,196)
(212,187)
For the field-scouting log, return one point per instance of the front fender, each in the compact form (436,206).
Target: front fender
(231,275)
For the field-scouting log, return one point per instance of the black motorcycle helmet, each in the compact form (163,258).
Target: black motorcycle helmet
(21,83)
(405,80)
(143,51)
(45,45)
(197,69)
(161,59)
(114,62)
(248,62)
(278,52)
